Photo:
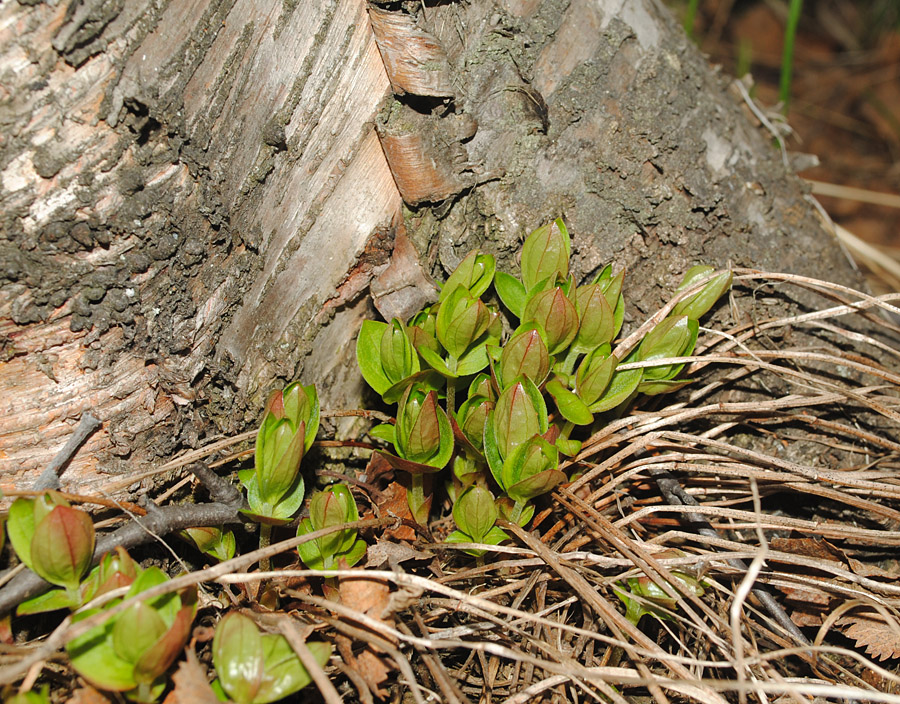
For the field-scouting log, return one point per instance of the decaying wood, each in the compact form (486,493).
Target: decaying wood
(183,188)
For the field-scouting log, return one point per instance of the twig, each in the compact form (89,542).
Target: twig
(49,478)
(295,638)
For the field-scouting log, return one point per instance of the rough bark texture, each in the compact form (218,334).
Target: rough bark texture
(193,197)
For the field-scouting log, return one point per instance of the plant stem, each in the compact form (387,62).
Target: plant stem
(451,397)
(690,17)
(265,539)
(567,430)
(787,55)
(416,498)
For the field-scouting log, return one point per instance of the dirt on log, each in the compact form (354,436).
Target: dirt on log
(195,196)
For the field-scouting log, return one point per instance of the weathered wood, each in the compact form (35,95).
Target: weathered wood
(184,199)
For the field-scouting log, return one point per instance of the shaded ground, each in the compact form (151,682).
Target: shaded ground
(845,103)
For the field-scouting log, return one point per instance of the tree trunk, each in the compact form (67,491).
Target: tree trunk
(195,196)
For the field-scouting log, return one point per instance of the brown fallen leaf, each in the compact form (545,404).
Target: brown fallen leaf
(808,547)
(88,695)
(191,684)
(370,596)
(373,668)
(393,503)
(870,631)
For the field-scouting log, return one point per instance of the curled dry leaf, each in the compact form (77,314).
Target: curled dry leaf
(191,684)
(403,287)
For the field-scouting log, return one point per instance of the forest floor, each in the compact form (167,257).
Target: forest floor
(844,107)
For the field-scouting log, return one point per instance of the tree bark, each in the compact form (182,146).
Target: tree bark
(195,196)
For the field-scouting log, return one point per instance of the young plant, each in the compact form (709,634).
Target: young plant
(131,652)
(332,507)
(116,569)
(644,596)
(274,486)
(54,540)
(518,449)
(475,514)
(213,541)
(253,668)
(423,439)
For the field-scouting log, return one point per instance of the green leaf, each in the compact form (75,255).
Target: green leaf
(53,600)
(368,355)
(662,386)
(570,406)
(473,361)
(435,362)
(353,555)
(94,658)
(310,552)
(475,513)
(20,526)
(524,354)
(511,292)
(623,384)
(62,546)
(383,431)
(239,658)
(546,253)
(474,273)
(283,674)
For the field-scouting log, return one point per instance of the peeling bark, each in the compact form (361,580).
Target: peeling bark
(194,199)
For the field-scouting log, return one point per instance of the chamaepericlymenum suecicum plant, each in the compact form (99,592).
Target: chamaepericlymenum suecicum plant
(560,350)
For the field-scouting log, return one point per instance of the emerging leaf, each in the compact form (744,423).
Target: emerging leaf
(461,320)
(556,315)
(475,513)
(62,546)
(474,273)
(519,414)
(597,321)
(696,305)
(525,354)
(545,254)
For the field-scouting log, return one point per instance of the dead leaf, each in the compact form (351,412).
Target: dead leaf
(864,569)
(403,288)
(365,594)
(808,547)
(880,640)
(393,503)
(393,553)
(191,684)
(371,667)
(89,695)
